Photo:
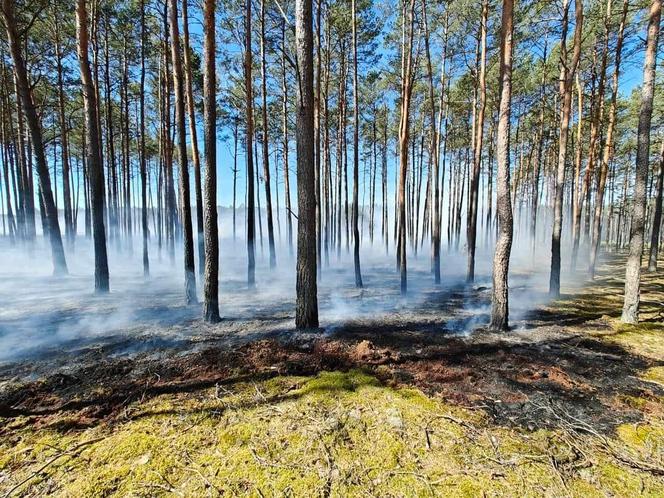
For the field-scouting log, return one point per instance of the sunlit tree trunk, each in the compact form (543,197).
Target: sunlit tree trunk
(306,311)
(595,130)
(404,135)
(501,259)
(473,194)
(565,91)
(607,152)
(630,312)
(657,215)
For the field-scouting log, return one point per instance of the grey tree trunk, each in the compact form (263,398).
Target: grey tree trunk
(266,154)
(189,92)
(608,143)
(143,168)
(94,154)
(404,138)
(185,205)
(211,277)
(284,124)
(630,312)
(249,144)
(473,196)
(356,154)
(64,144)
(657,216)
(306,312)
(565,89)
(501,258)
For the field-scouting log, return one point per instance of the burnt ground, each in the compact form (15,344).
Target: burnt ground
(567,357)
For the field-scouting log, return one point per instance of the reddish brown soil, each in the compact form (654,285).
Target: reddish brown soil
(509,380)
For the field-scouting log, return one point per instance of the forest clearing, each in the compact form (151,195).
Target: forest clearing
(331,248)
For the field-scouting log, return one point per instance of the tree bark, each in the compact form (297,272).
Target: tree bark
(657,216)
(565,90)
(249,152)
(630,312)
(189,92)
(185,205)
(306,312)
(608,144)
(356,153)
(266,152)
(285,144)
(211,277)
(473,196)
(64,143)
(94,146)
(404,137)
(143,168)
(501,259)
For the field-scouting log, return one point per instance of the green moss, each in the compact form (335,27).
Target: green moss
(335,382)
(655,374)
(645,339)
(299,436)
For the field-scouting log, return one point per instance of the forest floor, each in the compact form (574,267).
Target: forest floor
(571,403)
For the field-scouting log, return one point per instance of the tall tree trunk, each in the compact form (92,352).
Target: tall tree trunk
(144,181)
(25,161)
(608,144)
(266,153)
(249,152)
(404,135)
(111,201)
(94,146)
(317,140)
(501,259)
(185,205)
(235,170)
(565,90)
(595,131)
(540,145)
(211,281)
(327,163)
(64,144)
(473,196)
(284,145)
(657,216)
(306,312)
(434,151)
(356,153)
(630,312)
(189,92)
(169,184)
(29,109)
(126,187)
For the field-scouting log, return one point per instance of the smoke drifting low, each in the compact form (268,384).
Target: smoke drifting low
(50,320)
